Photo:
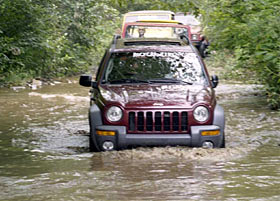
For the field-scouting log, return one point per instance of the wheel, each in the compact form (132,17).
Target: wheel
(223,145)
(202,50)
(92,147)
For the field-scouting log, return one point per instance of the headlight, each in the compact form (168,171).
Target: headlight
(201,113)
(114,114)
(194,37)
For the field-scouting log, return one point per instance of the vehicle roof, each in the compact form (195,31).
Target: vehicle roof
(151,44)
(151,12)
(156,24)
(187,19)
(160,21)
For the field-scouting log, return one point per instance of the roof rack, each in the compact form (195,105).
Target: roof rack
(119,42)
(151,43)
(160,21)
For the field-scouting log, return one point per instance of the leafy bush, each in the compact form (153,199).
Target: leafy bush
(250,31)
(53,38)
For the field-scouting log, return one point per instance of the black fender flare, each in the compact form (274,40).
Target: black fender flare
(219,120)
(219,117)
(95,119)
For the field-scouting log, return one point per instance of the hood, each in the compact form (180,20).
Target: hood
(163,96)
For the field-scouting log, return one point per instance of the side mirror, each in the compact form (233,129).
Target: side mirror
(214,81)
(85,80)
(184,38)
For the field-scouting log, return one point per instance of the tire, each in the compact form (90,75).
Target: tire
(223,145)
(202,50)
(92,147)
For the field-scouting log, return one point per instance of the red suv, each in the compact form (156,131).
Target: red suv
(153,92)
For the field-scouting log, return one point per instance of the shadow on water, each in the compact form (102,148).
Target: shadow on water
(44,153)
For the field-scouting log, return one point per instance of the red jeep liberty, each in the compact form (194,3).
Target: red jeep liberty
(153,92)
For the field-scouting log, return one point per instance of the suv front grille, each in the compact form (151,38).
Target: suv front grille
(158,122)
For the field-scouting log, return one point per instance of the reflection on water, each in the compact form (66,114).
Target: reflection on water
(44,153)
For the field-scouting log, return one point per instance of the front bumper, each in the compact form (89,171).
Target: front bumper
(123,140)
(196,43)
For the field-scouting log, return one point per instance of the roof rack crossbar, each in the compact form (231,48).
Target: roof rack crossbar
(151,43)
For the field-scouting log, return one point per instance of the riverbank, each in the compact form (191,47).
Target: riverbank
(224,66)
(38,83)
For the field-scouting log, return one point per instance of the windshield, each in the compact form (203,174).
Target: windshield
(146,31)
(188,20)
(154,67)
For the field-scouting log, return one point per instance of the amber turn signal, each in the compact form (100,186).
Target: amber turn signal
(106,133)
(215,132)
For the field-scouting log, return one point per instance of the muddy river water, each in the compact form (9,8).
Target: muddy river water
(44,153)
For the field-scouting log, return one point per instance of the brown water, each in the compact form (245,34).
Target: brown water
(44,153)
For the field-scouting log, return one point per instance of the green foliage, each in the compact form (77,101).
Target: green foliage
(53,38)
(19,38)
(250,31)
(172,5)
(223,64)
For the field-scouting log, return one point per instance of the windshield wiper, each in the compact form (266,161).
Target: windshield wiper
(168,80)
(120,81)
(189,83)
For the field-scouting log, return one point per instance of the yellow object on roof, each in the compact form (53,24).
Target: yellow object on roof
(160,21)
